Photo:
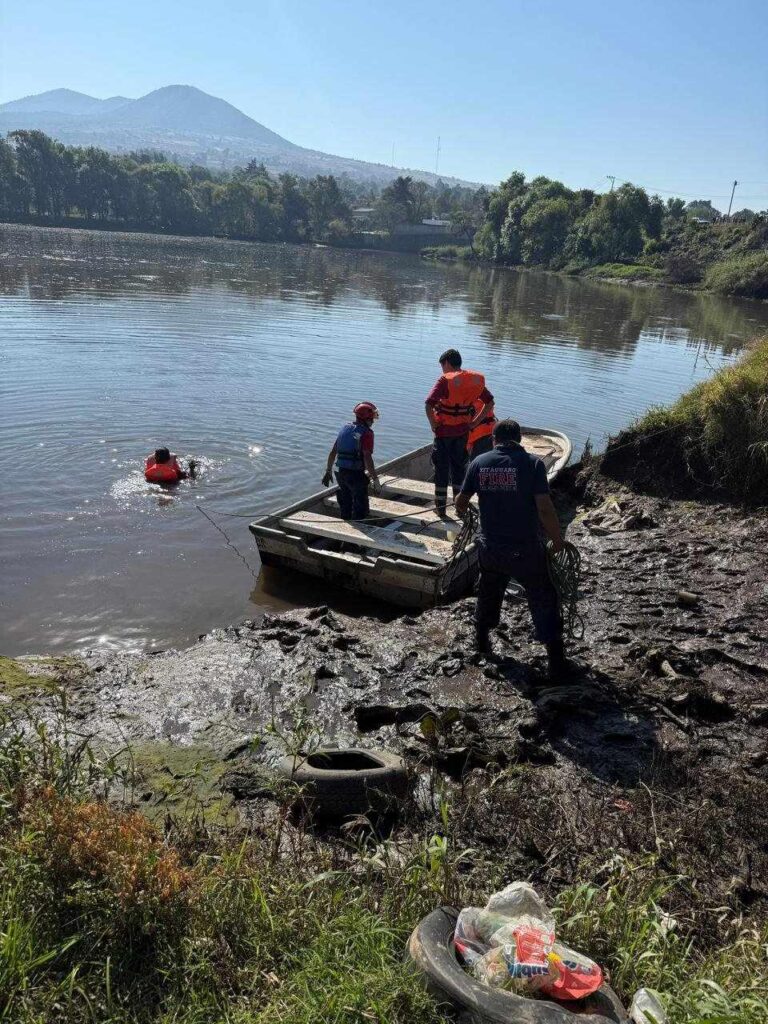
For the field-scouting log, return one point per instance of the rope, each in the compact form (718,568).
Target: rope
(230,543)
(565,572)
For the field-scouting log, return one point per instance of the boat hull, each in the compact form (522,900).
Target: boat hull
(382,575)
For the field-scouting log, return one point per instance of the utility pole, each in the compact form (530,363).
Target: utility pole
(612,179)
(437,155)
(731,202)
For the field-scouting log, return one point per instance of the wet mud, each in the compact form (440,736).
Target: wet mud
(670,692)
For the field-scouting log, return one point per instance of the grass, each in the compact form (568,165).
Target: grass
(626,272)
(714,439)
(449,252)
(740,275)
(108,917)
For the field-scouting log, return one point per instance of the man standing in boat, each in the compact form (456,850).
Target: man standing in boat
(457,403)
(513,492)
(353,452)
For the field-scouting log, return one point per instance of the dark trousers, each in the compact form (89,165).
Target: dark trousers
(481,446)
(353,493)
(527,566)
(449,459)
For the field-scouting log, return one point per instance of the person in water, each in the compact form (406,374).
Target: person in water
(164,468)
(353,452)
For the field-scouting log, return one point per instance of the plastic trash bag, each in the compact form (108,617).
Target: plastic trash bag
(511,944)
(646,1008)
(519,899)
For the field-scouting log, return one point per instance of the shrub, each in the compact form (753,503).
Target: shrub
(742,275)
(682,268)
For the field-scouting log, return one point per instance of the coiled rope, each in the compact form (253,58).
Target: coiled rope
(565,572)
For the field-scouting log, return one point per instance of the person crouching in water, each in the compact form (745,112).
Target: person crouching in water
(513,492)
(164,468)
(353,452)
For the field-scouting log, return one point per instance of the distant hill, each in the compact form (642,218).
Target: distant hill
(58,101)
(189,125)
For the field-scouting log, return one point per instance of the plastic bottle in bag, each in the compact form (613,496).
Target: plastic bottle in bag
(646,1008)
(518,900)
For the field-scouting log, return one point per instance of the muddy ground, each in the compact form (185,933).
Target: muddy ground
(665,725)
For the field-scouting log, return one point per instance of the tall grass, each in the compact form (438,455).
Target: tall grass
(106,917)
(714,438)
(740,275)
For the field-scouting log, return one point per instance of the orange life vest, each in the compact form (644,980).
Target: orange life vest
(161,472)
(483,428)
(464,389)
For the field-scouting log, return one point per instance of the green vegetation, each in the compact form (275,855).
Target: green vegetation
(625,272)
(713,440)
(541,223)
(44,181)
(623,234)
(448,252)
(742,275)
(107,917)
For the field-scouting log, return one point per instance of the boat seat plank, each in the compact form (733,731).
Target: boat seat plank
(411,488)
(424,548)
(408,515)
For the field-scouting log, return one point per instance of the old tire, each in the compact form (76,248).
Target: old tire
(431,950)
(338,783)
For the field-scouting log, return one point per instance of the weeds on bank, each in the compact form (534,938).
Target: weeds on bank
(106,917)
(715,437)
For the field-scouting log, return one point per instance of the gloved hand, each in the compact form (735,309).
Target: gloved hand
(328,479)
(376,485)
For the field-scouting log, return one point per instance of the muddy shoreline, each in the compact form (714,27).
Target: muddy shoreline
(672,697)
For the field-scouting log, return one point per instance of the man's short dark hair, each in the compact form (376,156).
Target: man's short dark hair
(506,431)
(452,356)
(162,455)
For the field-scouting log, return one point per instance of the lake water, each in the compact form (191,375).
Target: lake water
(250,357)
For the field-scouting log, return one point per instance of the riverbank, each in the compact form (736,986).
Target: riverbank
(653,761)
(748,279)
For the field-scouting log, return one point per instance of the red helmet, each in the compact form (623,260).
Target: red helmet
(366,411)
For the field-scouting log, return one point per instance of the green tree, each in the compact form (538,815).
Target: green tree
(295,205)
(675,209)
(702,209)
(397,204)
(326,203)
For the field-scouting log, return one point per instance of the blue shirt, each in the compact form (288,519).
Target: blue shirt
(506,482)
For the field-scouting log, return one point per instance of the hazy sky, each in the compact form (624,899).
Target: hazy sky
(671,94)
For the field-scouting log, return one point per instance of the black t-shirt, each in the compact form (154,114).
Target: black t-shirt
(506,482)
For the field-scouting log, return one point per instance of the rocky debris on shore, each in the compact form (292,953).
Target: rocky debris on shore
(672,689)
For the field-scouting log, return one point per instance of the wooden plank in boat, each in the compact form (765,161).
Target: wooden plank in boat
(408,515)
(403,485)
(423,547)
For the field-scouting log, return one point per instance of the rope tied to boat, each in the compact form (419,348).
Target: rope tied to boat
(564,568)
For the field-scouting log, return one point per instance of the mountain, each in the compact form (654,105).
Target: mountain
(58,101)
(182,108)
(187,124)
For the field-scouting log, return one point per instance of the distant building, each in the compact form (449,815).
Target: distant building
(435,222)
(363,214)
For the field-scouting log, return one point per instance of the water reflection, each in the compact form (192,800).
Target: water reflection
(533,309)
(248,357)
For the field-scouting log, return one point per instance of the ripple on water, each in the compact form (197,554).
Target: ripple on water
(248,358)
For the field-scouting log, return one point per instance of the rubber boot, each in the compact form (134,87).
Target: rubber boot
(558,664)
(483,642)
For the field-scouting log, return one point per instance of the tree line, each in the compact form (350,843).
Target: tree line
(43,180)
(543,223)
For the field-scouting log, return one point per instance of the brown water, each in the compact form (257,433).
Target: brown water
(250,357)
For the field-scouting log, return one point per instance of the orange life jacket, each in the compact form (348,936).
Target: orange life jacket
(162,472)
(464,389)
(483,428)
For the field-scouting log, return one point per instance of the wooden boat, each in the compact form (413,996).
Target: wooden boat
(410,556)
